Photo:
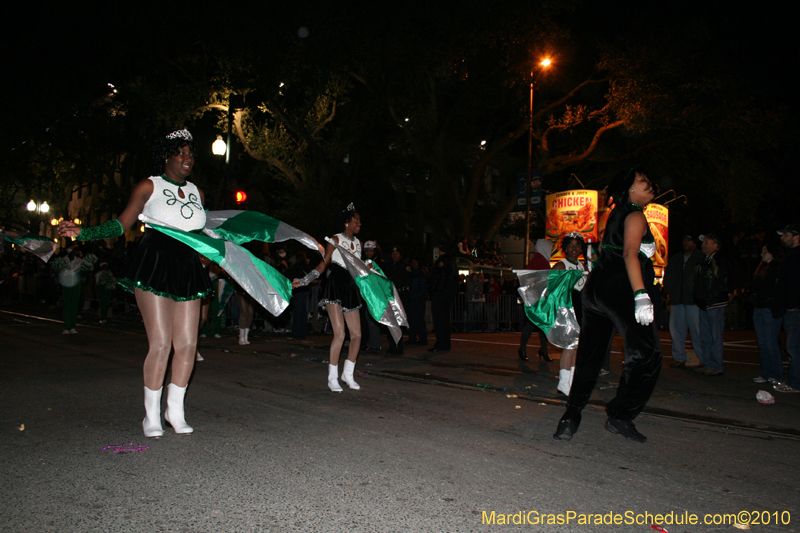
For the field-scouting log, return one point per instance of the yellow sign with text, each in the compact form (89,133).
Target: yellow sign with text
(658,218)
(571,211)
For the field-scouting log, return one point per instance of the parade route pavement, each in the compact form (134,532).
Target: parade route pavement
(455,441)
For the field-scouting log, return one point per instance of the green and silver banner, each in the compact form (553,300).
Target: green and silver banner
(41,247)
(378,292)
(242,227)
(547,295)
(261,281)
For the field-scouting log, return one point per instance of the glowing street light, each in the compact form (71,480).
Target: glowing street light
(44,207)
(219,147)
(545,63)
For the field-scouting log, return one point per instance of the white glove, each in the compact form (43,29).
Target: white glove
(643,309)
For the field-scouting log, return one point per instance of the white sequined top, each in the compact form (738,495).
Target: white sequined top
(166,205)
(572,266)
(353,245)
(648,249)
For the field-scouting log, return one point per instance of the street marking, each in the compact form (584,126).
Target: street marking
(61,322)
(726,361)
(31,316)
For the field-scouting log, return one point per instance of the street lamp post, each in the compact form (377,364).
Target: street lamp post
(222,147)
(544,64)
(40,209)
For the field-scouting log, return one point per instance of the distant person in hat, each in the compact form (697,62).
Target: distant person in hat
(417,303)
(371,330)
(443,287)
(787,304)
(399,272)
(768,328)
(711,296)
(106,284)
(684,316)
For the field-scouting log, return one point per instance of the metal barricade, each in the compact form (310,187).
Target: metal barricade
(511,312)
(505,314)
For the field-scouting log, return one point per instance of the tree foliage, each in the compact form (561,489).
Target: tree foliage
(423,119)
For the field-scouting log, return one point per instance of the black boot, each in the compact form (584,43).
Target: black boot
(544,355)
(624,428)
(522,355)
(568,425)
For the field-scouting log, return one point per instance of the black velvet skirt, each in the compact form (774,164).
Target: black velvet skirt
(166,267)
(339,287)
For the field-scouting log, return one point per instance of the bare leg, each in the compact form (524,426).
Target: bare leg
(204,313)
(566,369)
(184,339)
(568,359)
(157,313)
(204,307)
(353,320)
(246,310)
(337,324)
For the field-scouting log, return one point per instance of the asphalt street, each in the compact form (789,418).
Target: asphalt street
(432,442)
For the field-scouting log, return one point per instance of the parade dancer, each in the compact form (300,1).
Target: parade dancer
(340,297)
(573,247)
(166,276)
(619,294)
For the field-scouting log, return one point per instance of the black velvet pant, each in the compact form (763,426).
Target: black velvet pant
(440,313)
(417,329)
(608,304)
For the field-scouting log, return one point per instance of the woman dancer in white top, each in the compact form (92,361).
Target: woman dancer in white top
(166,276)
(340,296)
(572,245)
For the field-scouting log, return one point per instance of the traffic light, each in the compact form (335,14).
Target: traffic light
(241,197)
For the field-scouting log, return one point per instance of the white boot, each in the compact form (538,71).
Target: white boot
(243,336)
(174,414)
(333,378)
(246,334)
(347,374)
(564,381)
(152,407)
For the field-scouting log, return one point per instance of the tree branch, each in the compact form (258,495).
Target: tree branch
(274,161)
(567,160)
(502,211)
(327,119)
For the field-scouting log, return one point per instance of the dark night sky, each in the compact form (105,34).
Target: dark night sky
(64,57)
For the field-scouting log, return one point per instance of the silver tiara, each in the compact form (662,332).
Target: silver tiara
(573,235)
(181,134)
(350,207)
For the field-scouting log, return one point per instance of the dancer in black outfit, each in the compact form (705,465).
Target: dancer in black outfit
(166,276)
(340,296)
(619,293)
